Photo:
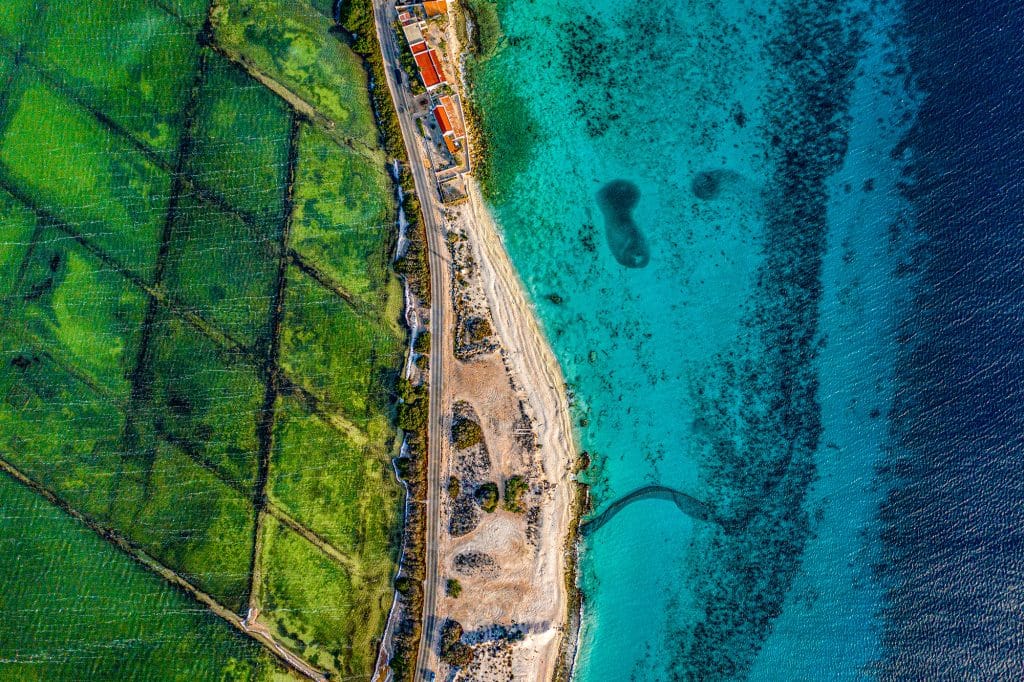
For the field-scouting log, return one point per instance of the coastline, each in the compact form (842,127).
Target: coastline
(531,359)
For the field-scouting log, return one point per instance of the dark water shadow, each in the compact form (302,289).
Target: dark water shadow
(711,184)
(687,504)
(617,200)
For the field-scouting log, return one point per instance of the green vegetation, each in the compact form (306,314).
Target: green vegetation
(453,650)
(453,588)
(328,615)
(344,213)
(208,540)
(114,196)
(348,494)
(143,80)
(515,488)
(486,495)
(422,344)
(17,224)
(292,43)
(151,356)
(240,141)
(69,597)
(204,398)
(454,488)
(80,312)
(223,269)
(346,359)
(466,433)
(487,33)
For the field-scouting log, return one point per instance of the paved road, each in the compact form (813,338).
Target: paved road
(440,333)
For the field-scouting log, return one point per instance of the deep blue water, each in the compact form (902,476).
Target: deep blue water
(954,519)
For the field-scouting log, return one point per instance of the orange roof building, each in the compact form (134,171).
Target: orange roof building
(435,8)
(453,115)
(418,47)
(442,120)
(430,71)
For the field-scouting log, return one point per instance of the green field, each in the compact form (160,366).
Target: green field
(199,341)
(343,214)
(75,608)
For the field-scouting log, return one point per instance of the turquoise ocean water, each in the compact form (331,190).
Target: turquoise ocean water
(704,202)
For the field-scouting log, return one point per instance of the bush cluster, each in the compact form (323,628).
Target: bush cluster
(515,488)
(453,650)
(486,496)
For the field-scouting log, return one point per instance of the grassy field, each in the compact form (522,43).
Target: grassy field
(64,160)
(290,42)
(75,608)
(344,213)
(148,360)
(344,357)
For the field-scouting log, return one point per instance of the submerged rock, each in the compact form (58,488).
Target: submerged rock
(617,200)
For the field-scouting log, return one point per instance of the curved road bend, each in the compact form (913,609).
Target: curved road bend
(440,334)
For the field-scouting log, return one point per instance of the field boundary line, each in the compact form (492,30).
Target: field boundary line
(265,638)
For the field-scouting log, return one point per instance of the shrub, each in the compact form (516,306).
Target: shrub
(515,488)
(453,588)
(453,487)
(487,496)
(453,650)
(422,344)
(466,433)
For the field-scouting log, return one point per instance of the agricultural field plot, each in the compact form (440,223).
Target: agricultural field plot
(199,343)
(66,590)
(291,43)
(343,215)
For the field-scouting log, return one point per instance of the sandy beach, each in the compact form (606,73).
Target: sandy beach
(527,592)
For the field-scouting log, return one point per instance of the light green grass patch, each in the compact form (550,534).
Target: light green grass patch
(77,608)
(346,492)
(56,429)
(343,221)
(347,359)
(17,224)
(129,59)
(204,398)
(85,314)
(69,164)
(192,522)
(240,140)
(331,618)
(291,43)
(223,269)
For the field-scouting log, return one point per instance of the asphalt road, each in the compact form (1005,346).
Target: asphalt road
(440,332)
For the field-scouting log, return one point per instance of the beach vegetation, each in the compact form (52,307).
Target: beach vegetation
(453,588)
(486,495)
(515,488)
(454,488)
(466,432)
(454,651)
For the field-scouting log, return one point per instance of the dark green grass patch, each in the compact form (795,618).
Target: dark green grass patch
(346,359)
(69,164)
(192,11)
(15,18)
(343,220)
(129,59)
(322,612)
(191,521)
(17,224)
(203,398)
(292,43)
(221,268)
(56,429)
(81,311)
(240,140)
(339,485)
(77,608)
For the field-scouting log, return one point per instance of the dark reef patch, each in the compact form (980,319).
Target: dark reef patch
(709,184)
(617,200)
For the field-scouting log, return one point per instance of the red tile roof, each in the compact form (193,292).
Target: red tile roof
(442,120)
(435,7)
(418,47)
(437,65)
(428,72)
